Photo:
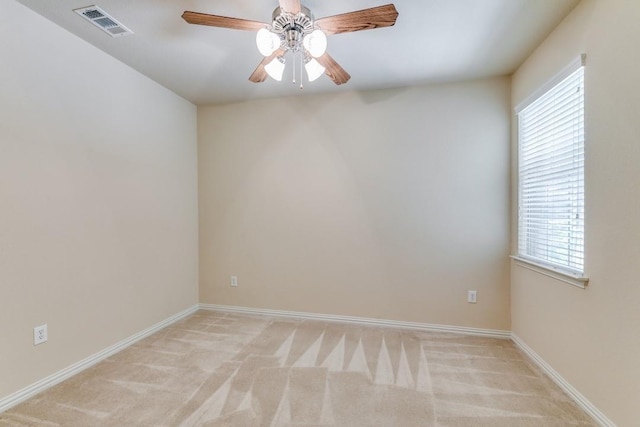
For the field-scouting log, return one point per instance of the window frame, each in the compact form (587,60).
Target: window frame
(563,273)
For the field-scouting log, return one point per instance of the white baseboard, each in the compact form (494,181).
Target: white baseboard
(493,333)
(39,386)
(582,401)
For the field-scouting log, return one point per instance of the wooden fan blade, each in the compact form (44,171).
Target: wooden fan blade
(222,21)
(260,74)
(366,19)
(333,69)
(291,6)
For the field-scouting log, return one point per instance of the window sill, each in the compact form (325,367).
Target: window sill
(566,277)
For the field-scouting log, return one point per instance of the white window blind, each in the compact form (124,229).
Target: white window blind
(551,176)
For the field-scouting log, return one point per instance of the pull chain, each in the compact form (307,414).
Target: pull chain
(301,67)
(294,67)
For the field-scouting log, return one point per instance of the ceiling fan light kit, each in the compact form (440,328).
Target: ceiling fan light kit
(293,29)
(293,33)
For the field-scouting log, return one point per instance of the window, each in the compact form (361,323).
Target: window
(551,175)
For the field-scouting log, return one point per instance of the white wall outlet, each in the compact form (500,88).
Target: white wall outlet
(234,281)
(40,334)
(472,297)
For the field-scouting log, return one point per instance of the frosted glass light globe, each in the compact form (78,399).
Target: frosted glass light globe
(275,68)
(267,41)
(315,43)
(314,69)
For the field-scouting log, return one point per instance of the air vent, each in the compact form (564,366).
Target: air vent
(102,20)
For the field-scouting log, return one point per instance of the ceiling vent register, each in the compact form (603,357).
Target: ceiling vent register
(102,20)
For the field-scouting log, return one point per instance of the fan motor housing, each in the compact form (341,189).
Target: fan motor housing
(283,22)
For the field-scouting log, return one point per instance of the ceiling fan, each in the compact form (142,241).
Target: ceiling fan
(294,29)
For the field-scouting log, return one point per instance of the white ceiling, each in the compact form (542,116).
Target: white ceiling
(432,41)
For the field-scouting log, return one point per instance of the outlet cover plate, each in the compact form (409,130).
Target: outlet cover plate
(40,334)
(472,297)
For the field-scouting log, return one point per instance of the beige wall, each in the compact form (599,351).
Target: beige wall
(591,336)
(388,204)
(98,199)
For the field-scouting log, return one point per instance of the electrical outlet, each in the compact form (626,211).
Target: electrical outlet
(40,334)
(472,297)
(234,281)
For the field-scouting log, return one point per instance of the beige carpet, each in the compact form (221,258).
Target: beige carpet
(215,369)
